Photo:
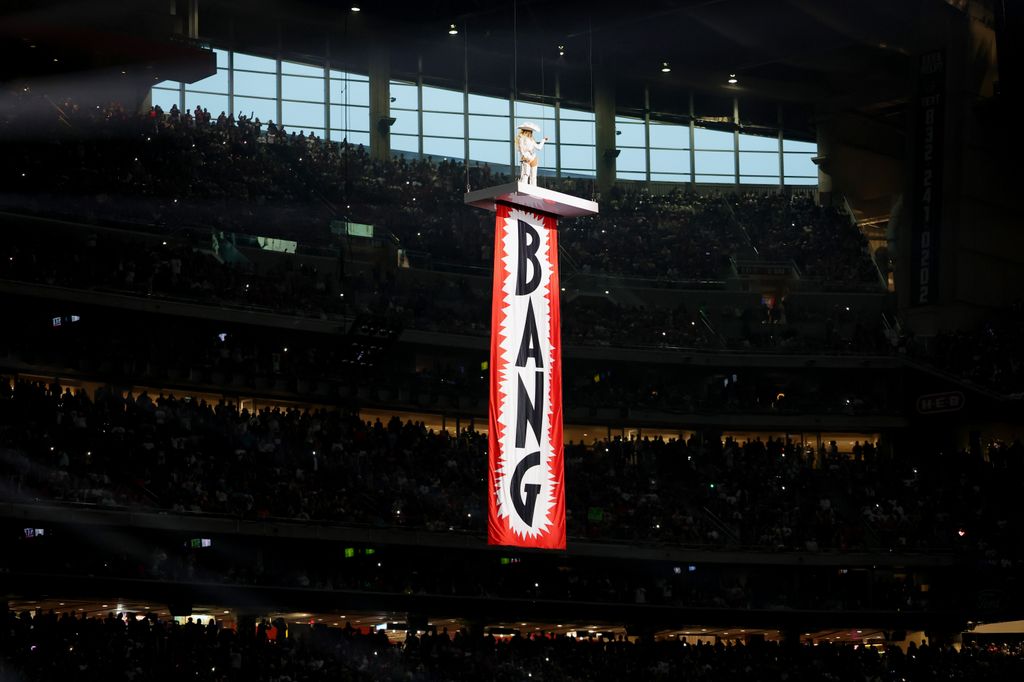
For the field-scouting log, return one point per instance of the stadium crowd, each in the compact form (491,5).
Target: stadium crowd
(47,646)
(186,455)
(191,170)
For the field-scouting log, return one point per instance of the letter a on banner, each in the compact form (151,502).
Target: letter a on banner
(526,501)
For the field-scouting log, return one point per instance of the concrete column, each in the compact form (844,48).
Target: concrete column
(604,115)
(380,103)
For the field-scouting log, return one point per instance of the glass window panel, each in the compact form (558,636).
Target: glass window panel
(300,87)
(403,95)
(356,92)
(405,143)
(264,109)
(801,181)
(351,118)
(629,132)
(670,177)
(354,137)
(578,157)
(670,161)
(251,62)
(222,58)
(630,175)
(212,103)
(799,146)
(297,69)
(716,179)
(448,125)
(540,114)
(759,143)
(799,165)
(406,123)
(478,104)
(759,180)
(489,128)
(348,75)
(577,132)
(441,99)
(714,162)
(711,139)
(669,136)
(436,146)
(302,114)
(576,115)
(493,153)
(760,163)
(631,160)
(165,99)
(306,130)
(548,156)
(255,84)
(218,83)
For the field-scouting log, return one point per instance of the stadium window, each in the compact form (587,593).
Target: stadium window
(410,144)
(217,83)
(799,146)
(250,62)
(494,106)
(578,159)
(406,123)
(576,132)
(672,161)
(301,114)
(212,103)
(255,84)
(443,125)
(404,96)
(300,69)
(443,148)
(800,170)
(631,161)
(705,139)
(718,163)
(263,109)
(491,153)
(760,167)
(350,89)
(629,132)
(165,98)
(350,118)
(494,128)
(442,99)
(669,136)
(302,88)
(758,143)
(796,160)
(354,137)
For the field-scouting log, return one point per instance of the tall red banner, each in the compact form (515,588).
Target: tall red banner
(526,473)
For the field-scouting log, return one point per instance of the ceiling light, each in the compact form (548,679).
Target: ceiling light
(561,50)
(452,30)
(355,7)
(732,79)
(665,68)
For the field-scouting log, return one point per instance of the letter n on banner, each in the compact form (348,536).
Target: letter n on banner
(526,493)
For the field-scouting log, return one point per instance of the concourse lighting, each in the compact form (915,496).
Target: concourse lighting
(665,68)
(452,30)
(355,7)
(732,79)
(561,50)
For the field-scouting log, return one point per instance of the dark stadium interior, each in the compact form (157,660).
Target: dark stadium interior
(246,366)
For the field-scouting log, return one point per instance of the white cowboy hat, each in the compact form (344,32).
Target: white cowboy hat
(527,125)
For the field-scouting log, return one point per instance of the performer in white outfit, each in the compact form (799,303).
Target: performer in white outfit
(528,148)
